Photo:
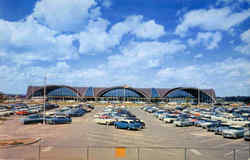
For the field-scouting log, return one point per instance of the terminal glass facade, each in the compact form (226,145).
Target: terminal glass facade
(63,91)
(89,92)
(121,92)
(179,94)
(154,93)
(188,95)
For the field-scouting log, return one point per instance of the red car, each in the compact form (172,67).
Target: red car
(22,112)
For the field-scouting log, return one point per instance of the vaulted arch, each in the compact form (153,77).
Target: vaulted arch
(120,91)
(55,90)
(190,92)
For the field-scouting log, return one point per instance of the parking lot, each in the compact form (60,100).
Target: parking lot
(84,139)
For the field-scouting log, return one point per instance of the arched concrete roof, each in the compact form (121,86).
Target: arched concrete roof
(105,90)
(209,93)
(34,89)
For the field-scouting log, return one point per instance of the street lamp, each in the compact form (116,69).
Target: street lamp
(124,87)
(44,97)
(198,96)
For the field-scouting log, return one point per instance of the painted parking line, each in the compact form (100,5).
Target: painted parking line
(229,143)
(209,139)
(196,152)
(46,149)
(236,151)
(202,134)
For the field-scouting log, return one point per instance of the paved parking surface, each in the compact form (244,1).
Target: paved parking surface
(84,139)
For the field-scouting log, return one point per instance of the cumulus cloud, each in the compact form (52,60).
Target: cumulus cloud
(96,38)
(107,3)
(208,39)
(135,25)
(216,75)
(65,15)
(198,56)
(245,47)
(211,20)
(27,40)
(144,54)
(149,30)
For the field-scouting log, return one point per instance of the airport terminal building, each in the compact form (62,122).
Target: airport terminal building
(122,93)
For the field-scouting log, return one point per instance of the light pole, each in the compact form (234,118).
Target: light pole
(44,97)
(198,96)
(124,94)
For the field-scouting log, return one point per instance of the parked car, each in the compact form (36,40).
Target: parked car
(5,112)
(247,134)
(22,112)
(76,112)
(90,106)
(208,123)
(183,123)
(105,121)
(156,114)
(169,118)
(143,125)
(233,132)
(35,118)
(212,127)
(59,120)
(218,130)
(33,110)
(128,124)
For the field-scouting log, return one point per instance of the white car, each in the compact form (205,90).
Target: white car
(161,116)
(5,112)
(233,132)
(104,120)
(183,123)
(169,118)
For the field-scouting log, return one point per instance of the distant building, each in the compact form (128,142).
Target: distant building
(122,93)
(2,96)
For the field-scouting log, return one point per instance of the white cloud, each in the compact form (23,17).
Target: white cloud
(27,41)
(223,76)
(149,30)
(198,55)
(245,47)
(211,20)
(136,25)
(96,38)
(107,3)
(3,54)
(245,37)
(144,54)
(208,39)
(65,15)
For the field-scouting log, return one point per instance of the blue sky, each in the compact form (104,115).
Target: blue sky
(161,44)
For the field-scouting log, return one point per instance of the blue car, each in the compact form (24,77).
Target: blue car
(76,112)
(128,124)
(35,118)
(59,120)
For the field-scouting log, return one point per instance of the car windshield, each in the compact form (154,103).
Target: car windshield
(236,128)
